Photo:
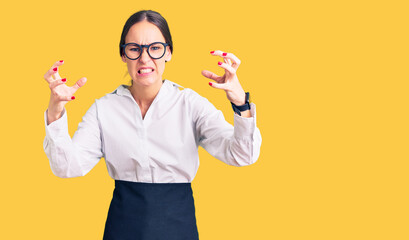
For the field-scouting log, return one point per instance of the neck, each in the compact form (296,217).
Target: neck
(144,95)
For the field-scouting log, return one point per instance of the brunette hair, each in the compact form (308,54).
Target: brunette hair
(152,17)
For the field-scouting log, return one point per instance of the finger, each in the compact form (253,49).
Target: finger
(48,76)
(58,82)
(228,61)
(67,98)
(79,84)
(223,86)
(227,67)
(217,53)
(236,61)
(211,75)
(63,97)
(56,76)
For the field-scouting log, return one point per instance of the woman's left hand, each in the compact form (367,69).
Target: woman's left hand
(229,81)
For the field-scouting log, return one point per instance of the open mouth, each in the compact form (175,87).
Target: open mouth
(145,71)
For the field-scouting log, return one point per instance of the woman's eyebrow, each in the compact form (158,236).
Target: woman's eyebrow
(144,44)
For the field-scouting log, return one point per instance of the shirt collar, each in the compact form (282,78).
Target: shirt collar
(123,90)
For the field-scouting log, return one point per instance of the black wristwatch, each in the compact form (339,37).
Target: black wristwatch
(246,106)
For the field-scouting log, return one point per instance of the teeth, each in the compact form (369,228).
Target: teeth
(146,70)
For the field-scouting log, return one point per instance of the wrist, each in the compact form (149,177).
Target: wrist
(54,111)
(241,101)
(246,114)
(52,116)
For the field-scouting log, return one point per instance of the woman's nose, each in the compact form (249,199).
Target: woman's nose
(144,55)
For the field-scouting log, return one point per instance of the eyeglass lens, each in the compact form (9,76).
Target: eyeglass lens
(156,50)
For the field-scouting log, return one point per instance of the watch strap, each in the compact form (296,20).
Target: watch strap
(244,107)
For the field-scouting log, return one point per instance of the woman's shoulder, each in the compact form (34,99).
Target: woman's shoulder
(192,98)
(118,96)
(184,91)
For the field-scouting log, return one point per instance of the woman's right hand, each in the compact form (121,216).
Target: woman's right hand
(60,93)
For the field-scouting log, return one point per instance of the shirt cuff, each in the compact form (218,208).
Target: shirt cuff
(58,127)
(244,127)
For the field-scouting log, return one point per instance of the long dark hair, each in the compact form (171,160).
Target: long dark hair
(152,17)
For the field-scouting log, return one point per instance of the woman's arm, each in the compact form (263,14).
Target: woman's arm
(237,145)
(69,157)
(77,156)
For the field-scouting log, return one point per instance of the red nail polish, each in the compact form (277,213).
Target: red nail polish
(210,83)
(61,61)
(212,52)
(220,63)
(72,97)
(55,69)
(64,79)
(224,54)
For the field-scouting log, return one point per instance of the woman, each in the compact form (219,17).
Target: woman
(149,135)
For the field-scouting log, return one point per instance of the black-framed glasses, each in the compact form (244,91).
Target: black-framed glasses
(155,50)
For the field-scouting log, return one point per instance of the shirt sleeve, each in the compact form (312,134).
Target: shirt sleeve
(77,156)
(237,145)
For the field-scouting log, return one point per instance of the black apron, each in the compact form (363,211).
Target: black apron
(151,211)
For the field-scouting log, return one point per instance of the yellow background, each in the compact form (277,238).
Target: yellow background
(330,81)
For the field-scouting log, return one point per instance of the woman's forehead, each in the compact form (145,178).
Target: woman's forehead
(144,32)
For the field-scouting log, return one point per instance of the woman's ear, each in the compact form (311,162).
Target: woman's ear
(168,56)
(123,58)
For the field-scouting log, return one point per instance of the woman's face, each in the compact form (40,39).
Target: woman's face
(144,33)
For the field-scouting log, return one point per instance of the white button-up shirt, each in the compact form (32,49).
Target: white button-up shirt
(162,147)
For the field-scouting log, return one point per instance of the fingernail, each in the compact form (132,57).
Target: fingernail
(212,52)
(64,79)
(220,63)
(55,69)
(61,61)
(72,97)
(210,83)
(224,54)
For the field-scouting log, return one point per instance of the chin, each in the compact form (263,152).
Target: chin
(146,81)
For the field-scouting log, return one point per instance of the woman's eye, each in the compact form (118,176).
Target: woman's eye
(134,49)
(154,48)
